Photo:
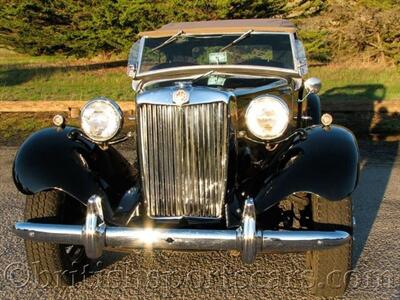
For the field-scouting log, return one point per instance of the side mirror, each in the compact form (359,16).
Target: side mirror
(312,85)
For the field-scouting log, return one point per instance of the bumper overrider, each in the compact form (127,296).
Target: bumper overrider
(95,235)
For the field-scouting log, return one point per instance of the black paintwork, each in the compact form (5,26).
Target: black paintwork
(326,163)
(300,107)
(62,159)
(314,108)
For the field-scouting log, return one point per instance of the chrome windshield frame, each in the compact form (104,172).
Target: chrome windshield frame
(240,68)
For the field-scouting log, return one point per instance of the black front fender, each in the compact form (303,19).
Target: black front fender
(61,159)
(326,163)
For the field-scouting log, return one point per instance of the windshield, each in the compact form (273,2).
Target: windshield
(266,50)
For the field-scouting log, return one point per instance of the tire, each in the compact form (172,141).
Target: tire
(329,270)
(53,264)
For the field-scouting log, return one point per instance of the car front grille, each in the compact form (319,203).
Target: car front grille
(183,157)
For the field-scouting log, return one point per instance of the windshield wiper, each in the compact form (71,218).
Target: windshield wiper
(242,37)
(203,76)
(169,41)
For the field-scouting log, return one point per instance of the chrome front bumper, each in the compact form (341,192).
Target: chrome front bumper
(94,235)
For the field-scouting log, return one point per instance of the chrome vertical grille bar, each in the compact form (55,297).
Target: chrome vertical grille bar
(183,158)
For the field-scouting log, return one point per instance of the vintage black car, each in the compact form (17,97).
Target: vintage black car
(232,154)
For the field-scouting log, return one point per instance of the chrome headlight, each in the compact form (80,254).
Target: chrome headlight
(267,117)
(101,119)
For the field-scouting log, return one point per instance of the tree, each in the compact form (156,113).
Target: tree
(244,9)
(84,27)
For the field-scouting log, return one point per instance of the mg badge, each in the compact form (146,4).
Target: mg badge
(180,97)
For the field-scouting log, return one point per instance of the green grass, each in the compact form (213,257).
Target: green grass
(358,83)
(64,84)
(58,78)
(10,58)
(15,127)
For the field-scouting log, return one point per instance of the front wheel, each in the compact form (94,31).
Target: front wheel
(330,269)
(53,264)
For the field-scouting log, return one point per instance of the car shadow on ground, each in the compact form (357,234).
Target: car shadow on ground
(375,132)
(367,199)
(364,92)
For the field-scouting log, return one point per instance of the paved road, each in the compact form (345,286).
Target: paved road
(217,275)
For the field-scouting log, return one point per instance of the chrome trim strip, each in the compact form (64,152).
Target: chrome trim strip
(94,235)
(93,232)
(50,233)
(197,95)
(185,239)
(173,239)
(248,232)
(190,78)
(246,69)
(141,47)
(294,56)
(140,75)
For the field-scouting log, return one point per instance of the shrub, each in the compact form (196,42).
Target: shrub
(373,33)
(85,28)
(331,29)
(316,43)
